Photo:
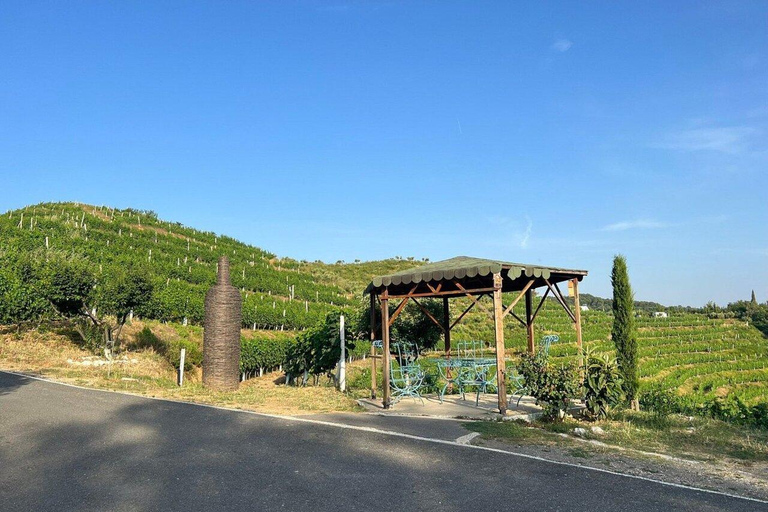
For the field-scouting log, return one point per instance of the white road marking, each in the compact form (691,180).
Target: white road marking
(467,438)
(405,436)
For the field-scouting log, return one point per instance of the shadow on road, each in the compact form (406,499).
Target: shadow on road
(64,448)
(10,382)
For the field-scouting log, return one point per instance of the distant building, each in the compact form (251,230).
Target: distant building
(660,314)
(585,308)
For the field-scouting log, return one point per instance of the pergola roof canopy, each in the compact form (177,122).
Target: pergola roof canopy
(474,272)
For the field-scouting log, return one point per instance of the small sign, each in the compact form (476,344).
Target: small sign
(570,289)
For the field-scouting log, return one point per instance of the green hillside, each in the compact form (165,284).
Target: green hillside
(690,353)
(278,293)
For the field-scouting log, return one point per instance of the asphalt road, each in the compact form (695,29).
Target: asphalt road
(64,448)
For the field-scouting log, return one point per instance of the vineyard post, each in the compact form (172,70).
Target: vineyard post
(181,365)
(342,357)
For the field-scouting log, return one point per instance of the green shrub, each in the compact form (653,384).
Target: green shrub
(551,386)
(602,386)
(264,351)
(192,358)
(145,338)
(171,350)
(661,402)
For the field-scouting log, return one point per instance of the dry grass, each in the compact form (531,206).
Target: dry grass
(52,354)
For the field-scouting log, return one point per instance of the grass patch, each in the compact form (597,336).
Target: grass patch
(52,354)
(680,436)
(688,437)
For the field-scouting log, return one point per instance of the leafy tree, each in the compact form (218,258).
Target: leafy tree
(623,332)
(91,303)
(126,289)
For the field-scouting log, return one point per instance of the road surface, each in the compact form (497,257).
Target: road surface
(66,448)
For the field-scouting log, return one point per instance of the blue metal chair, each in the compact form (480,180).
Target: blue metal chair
(406,378)
(476,371)
(547,341)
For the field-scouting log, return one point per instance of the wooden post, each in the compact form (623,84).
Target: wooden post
(373,349)
(498,320)
(447,326)
(577,322)
(342,357)
(385,343)
(529,319)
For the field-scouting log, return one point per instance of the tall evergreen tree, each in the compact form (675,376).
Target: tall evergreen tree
(623,332)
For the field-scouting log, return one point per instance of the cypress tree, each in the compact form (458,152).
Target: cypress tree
(623,332)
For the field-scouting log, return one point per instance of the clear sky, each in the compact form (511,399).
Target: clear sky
(552,133)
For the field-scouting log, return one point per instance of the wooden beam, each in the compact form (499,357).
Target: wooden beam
(522,322)
(442,293)
(435,290)
(385,344)
(529,320)
(373,349)
(426,312)
(498,323)
(476,300)
(471,305)
(447,323)
(577,310)
(559,296)
(517,299)
(398,310)
(546,292)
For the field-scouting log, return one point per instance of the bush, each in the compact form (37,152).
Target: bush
(318,349)
(145,338)
(732,409)
(264,351)
(602,386)
(192,358)
(661,402)
(551,386)
(171,350)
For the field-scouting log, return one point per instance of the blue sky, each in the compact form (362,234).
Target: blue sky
(550,133)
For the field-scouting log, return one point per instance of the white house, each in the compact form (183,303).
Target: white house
(660,314)
(585,308)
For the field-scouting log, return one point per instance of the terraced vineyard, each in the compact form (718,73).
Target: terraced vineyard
(278,293)
(689,353)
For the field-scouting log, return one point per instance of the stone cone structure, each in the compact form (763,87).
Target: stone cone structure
(221,336)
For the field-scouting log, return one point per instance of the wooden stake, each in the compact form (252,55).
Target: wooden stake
(501,369)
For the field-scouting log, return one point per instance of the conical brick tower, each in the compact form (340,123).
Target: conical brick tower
(221,337)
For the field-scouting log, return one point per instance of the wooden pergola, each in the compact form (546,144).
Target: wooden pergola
(474,278)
